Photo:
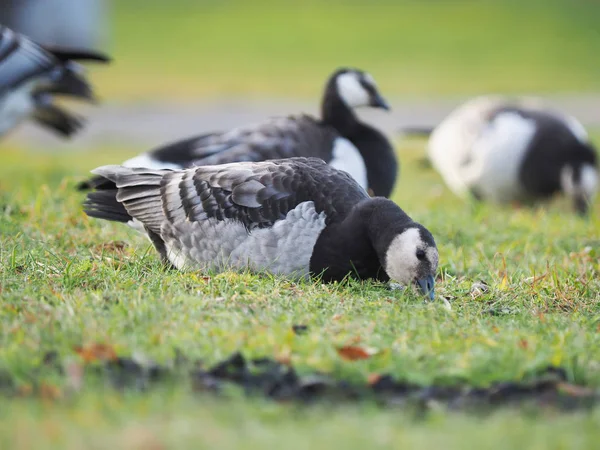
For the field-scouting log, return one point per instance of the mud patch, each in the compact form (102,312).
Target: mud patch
(266,377)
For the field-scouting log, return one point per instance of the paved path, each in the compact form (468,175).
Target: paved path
(151,124)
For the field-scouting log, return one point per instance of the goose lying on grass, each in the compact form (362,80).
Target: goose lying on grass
(514,151)
(338,137)
(295,217)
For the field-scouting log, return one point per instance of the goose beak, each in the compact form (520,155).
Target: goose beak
(427,286)
(377,101)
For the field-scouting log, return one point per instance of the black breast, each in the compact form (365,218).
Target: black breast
(379,157)
(338,254)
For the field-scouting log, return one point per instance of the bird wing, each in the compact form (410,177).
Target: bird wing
(21,59)
(282,137)
(255,194)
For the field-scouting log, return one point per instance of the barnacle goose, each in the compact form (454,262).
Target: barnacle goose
(296,217)
(338,137)
(31,75)
(506,150)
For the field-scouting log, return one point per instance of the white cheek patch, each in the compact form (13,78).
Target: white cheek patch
(589,180)
(587,185)
(401,260)
(351,91)
(433,257)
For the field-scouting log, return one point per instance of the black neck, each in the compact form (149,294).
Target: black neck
(375,149)
(357,245)
(335,113)
(379,157)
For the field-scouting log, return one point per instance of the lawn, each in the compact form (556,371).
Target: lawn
(69,283)
(182,49)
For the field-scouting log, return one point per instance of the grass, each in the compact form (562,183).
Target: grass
(192,49)
(65,282)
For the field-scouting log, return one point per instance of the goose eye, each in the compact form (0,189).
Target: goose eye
(421,254)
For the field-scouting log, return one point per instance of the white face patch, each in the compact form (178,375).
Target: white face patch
(351,91)
(146,161)
(401,262)
(346,157)
(586,186)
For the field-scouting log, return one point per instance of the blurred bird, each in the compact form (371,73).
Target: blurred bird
(519,150)
(31,75)
(294,216)
(339,138)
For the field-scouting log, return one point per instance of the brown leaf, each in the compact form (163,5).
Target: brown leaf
(111,247)
(373,379)
(74,374)
(49,391)
(25,390)
(541,317)
(575,391)
(524,344)
(284,357)
(355,353)
(96,352)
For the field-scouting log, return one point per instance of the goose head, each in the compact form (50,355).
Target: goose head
(354,88)
(406,249)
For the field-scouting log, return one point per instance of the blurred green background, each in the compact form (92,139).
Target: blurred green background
(182,50)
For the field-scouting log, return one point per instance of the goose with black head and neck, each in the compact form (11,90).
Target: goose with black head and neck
(296,217)
(339,138)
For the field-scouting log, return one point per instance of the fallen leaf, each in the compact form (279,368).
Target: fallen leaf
(541,317)
(25,389)
(574,390)
(111,247)
(49,391)
(96,352)
(355,353)
(284,357)
(524,344)
(29,318)
(74,374)
(373,379)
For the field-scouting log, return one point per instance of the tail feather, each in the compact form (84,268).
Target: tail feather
(138,193)
(104,205)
